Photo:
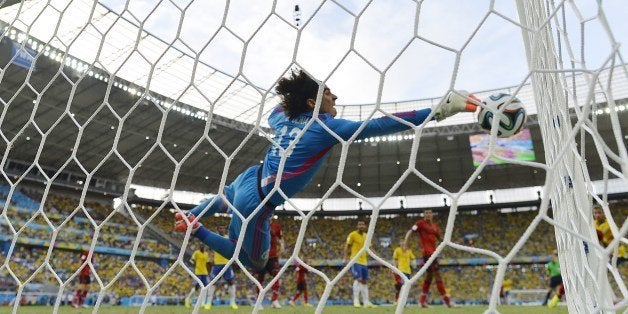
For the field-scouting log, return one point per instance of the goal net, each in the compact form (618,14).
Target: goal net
(93,93)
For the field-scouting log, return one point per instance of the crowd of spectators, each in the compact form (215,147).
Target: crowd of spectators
(25,260)
(323,244)
(464,283)
(77,224)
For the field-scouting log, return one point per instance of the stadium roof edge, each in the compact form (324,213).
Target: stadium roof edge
(9,3)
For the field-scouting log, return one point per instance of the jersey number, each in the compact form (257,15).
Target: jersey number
(280,136)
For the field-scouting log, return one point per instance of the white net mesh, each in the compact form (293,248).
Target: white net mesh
(164,54)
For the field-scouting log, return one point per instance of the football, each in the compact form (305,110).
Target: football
(511,119)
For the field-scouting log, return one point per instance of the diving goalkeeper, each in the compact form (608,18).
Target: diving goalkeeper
(298,93)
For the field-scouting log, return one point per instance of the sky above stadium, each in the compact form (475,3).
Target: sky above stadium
(493,58)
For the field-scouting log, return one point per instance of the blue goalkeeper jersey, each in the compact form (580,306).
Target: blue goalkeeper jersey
(301,165)
(309,152)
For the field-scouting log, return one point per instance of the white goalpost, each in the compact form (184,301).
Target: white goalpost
(583,259)
(110,42)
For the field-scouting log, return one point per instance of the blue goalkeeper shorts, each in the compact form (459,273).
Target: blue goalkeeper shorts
(246,197)
(245,194)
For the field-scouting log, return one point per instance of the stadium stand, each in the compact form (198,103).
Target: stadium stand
(325,240)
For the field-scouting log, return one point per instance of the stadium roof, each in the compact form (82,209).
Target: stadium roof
(111,46)
(153,63)
(444,154)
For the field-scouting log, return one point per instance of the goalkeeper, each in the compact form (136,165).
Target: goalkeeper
(298,93)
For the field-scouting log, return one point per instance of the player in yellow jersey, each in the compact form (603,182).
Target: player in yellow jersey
(200,258)
(360,271)
(219,263)
(504,292)
(605,234)
(402,258)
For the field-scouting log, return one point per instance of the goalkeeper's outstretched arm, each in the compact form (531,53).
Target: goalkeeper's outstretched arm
(376,127)
(454,102)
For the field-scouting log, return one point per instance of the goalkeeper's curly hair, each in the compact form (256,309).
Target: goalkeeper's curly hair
(295,91)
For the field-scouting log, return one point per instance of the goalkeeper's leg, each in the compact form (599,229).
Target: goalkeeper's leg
(255,245)
(254,252)
(256,242)
(243,194)
(216,204)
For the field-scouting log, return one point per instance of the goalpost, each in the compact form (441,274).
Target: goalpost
(583,260)
(566,113)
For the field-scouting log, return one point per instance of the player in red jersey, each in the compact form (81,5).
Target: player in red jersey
(300,276)
(428,233)
(84,280)
(272,266)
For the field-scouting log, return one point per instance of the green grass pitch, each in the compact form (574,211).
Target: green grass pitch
(288,309)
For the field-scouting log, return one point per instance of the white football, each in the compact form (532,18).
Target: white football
(511,120)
